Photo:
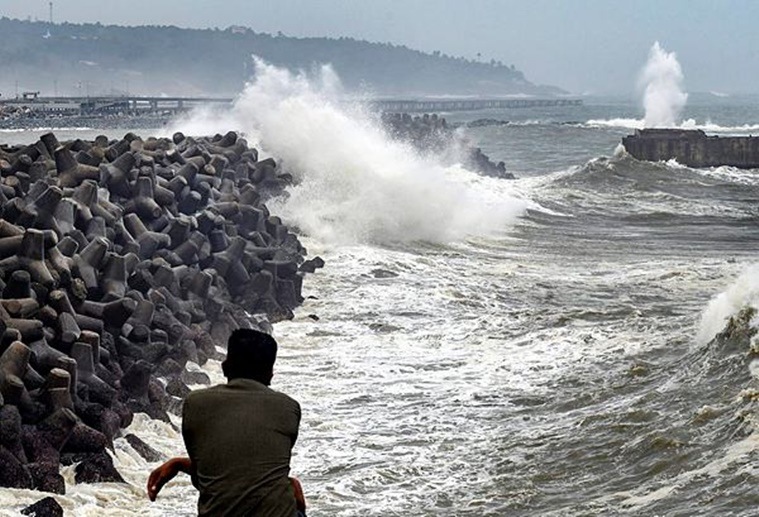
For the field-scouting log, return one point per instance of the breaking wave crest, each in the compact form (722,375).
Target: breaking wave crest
(354,183)
(744,292)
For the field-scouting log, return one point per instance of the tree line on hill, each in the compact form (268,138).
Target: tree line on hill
(95,59)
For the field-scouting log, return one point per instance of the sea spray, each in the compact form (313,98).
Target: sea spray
(744,292)
(663,97)
(356,184)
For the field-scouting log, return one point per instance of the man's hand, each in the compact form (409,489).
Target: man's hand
(165,473)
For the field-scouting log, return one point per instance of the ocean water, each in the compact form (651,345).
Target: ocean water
(488,347)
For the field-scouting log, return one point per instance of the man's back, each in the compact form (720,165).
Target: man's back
(239,437)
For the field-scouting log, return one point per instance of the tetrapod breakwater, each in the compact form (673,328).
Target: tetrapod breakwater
(121,262)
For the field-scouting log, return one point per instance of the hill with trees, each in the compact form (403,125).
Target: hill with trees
(95,59)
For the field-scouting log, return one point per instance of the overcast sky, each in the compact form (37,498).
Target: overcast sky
(585,46)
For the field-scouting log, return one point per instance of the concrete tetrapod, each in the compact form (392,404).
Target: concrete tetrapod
(120,262)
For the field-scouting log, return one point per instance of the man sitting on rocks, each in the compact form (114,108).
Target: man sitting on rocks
(239,437)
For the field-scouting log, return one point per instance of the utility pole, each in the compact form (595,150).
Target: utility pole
(51,13)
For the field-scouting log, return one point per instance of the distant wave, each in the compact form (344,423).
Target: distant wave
(630,123)
(708,126)
(530,122)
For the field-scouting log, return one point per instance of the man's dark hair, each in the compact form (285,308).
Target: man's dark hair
(250,355)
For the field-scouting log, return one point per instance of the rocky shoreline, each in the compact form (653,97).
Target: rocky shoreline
(432,134)
(121,261)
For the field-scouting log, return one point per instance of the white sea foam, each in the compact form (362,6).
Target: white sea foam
(630,123)
(744,292)
(711,127)
(706,126)
(129,499)
(355,183)
(732,174)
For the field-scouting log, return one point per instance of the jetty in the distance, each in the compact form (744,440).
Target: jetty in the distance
(693,148)
(134,104)
(104,105)
(459,104)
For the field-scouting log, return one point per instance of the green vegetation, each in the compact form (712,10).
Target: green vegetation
(94,59)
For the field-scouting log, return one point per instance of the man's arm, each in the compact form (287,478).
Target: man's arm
(300,499)
(294,436)
(166,472)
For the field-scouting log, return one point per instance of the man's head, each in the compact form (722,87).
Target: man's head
(250,355)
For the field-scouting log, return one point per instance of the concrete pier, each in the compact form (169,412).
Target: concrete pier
(93,105)
(693,148)
(445,105)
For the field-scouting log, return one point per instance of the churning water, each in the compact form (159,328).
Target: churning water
(485,347)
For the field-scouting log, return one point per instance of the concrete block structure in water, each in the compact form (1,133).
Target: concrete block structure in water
(693,148)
